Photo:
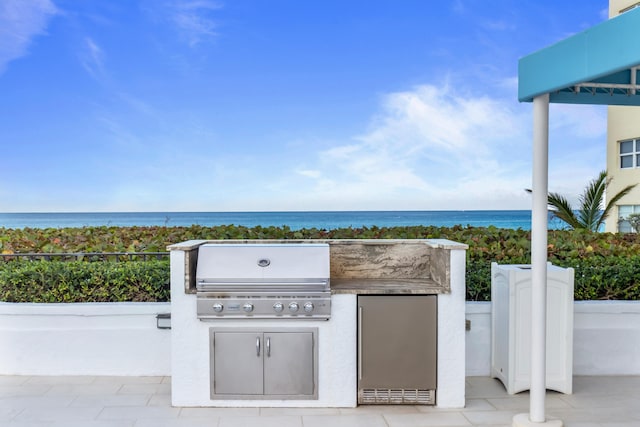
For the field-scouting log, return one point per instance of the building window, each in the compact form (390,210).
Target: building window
(623,214)
(630,153)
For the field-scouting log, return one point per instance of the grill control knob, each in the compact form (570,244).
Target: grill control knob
(293,307)
(308,307)
(217,307)
(248,307)
(278,307)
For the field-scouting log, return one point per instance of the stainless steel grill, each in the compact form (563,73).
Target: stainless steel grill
(263,281)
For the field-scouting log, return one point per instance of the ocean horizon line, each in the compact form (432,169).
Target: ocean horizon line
(295,220)
(260,211)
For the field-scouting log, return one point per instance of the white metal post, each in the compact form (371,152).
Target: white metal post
(539,218)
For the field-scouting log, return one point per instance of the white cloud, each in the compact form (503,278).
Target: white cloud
(20,22)
(92,58)
(458,7)
(431,148)
(443,148)
(428,148)
(498,25)
(583,121)
(577,147)
(137,104)
(193,20)
(310,173)
(604,13)
(441,117)
(420,152)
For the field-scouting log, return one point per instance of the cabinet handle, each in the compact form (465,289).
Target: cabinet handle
(258,346)
(359,342)
(268,346)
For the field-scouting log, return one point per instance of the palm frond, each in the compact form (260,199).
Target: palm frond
(591,202)
(590,216)
(562,210)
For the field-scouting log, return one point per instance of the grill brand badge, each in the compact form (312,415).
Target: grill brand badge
(264,262)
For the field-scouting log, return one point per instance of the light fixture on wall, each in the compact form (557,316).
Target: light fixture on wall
(163,320)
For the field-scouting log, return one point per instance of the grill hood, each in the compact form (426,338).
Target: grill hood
(230,263)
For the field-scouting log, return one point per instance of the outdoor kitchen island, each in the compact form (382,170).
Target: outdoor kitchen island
(328,347)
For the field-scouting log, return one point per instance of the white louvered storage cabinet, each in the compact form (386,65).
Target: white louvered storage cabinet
(511,327)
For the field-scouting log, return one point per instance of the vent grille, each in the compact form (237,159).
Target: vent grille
(396,396)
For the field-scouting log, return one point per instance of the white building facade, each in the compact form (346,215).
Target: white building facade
(623,149)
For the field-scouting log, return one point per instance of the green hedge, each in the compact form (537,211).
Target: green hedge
(613,278)
(607,265)
(77,281)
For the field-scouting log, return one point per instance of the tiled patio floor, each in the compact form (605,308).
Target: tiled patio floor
(145,402)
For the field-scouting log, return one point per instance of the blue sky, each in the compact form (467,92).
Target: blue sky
(256,105)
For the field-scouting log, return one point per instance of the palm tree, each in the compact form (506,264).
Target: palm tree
(589,216)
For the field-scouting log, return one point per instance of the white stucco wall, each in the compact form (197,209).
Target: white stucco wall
(606,338)
(478,339)
(83,339)
(122,339)
(450,392)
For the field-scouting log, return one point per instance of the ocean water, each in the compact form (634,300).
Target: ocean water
(513,219)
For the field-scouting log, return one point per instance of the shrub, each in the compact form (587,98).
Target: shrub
(77,281)
(594,278)
(611,278)
(607,265)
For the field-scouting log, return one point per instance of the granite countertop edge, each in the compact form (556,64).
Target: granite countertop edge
(387,286)
(433,243)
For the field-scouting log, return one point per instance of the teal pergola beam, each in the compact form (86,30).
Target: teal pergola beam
(605,55)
